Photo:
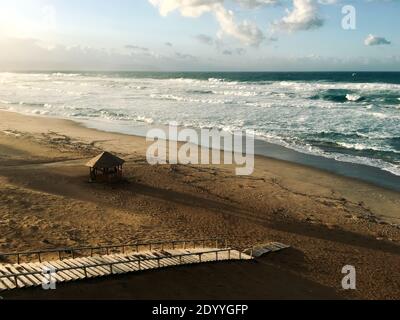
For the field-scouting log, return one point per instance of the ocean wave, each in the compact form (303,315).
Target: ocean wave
(67,75)
(200,91)
(188,99)
(343,120)
(237,93)
(353,97)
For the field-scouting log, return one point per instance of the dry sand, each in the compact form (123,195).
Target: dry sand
(330,221)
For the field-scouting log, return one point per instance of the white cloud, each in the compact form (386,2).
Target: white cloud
(303,16)
(205,39)
(32,54)
(246,31)
(29,54)
(372,40)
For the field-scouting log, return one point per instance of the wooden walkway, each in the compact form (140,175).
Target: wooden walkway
(31,274)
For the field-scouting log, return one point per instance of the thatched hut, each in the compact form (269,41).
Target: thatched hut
(105,167)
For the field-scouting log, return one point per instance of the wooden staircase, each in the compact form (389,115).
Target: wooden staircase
(73,264)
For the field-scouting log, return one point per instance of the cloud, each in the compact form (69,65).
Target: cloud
(246,31)
(32,54)
(141,51)
(227,52)
(185,56)
(372,40)
(258,3)
(204,39)
(237,51)
(136,48)
(303,16)
(328,1)
(169,44)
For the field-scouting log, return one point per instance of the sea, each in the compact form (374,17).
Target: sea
(351,117)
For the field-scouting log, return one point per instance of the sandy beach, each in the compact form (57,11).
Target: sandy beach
(329,220)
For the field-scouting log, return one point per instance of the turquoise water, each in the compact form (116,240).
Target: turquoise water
(352,117)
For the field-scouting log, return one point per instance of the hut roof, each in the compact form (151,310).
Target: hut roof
(105,160)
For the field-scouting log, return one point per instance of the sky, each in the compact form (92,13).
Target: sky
(200,35)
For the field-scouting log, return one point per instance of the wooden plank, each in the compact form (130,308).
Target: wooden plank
(93,271)
(3,287)
(115,269)
(208,257)
(24,279)
(133,266)
(281,245)
(171,260)
(99,269)
(190,259)
(152,263)
(37,266)
(77,272)
(144,264)
(161,263)
(10,281)
(34,281)
(118,264)
(171,257)
(79,267)
(37,279)
(65,275)
(103,269)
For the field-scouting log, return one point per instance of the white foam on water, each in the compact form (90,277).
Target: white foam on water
(281,112)
(353,97)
